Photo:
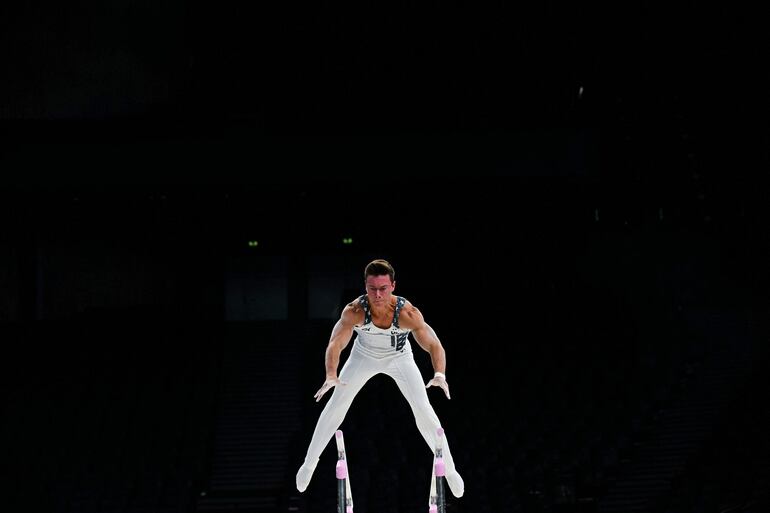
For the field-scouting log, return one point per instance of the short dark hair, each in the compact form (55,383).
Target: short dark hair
(380,267)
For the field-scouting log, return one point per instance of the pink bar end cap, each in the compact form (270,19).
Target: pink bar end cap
(440,467)
(433,509)
(342,470)
(338,433)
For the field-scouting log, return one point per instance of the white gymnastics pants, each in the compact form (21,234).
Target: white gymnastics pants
(358,369)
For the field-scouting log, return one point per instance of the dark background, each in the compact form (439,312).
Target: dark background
(576,197)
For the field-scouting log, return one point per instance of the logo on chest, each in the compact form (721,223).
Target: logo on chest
(398,341)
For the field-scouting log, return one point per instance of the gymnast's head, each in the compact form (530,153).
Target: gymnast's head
(380,281)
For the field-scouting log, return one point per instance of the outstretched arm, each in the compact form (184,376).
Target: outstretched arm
(428,340)
(338,341)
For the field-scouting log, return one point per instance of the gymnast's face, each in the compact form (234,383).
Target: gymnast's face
(379,289)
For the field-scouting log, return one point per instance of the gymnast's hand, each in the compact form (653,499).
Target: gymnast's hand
(439,380)
(328,384)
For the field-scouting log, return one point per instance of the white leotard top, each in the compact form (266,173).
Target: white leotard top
(381,343)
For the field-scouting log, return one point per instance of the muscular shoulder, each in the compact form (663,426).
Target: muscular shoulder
(353,313)
(410,317)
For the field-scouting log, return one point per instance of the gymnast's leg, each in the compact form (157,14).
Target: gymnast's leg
(409,380)
(358,369)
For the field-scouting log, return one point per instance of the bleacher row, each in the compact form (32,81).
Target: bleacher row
(170,418)
(731,474)
(107,416)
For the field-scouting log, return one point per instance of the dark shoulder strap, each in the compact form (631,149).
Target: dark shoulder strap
(400,302)
(364,302)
